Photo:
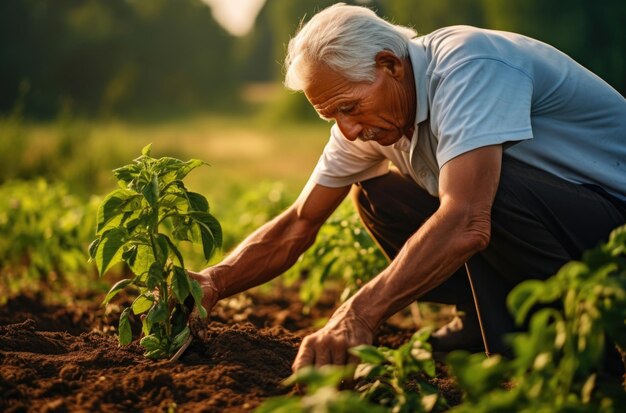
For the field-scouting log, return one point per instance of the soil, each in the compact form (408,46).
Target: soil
(65,358)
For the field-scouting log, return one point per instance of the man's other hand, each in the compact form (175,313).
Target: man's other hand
(211,293)
(330,345)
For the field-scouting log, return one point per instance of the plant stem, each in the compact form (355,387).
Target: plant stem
(165,295)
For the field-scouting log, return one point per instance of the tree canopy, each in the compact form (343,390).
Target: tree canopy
(130,56)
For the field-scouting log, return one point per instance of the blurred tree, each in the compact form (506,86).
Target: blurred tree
(114,56)
(426,16)
(593,33)
(133,56)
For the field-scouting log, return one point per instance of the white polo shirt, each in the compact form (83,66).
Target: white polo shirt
(478,87)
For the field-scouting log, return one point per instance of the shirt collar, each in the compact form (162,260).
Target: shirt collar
(419,61)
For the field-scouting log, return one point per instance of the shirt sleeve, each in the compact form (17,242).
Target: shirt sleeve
(479,103)
(345,162)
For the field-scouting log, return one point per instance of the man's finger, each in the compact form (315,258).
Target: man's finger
(322,355)
(338,354)
(306,355)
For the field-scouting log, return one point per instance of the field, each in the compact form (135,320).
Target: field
(59,348)
(64,358)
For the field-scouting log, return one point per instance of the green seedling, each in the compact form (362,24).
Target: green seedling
(558,363)
(321,393)
(142,224)
(399,378)
(44,229)
(387,380)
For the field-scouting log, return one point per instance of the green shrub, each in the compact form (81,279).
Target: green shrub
(343,251)
(557,364)
(139,224)
(44,233)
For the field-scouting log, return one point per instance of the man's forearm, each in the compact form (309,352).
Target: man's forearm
(429,257)
(265,254)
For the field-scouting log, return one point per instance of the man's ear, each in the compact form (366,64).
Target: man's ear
(390,63)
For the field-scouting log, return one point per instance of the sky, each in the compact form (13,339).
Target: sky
(236,16)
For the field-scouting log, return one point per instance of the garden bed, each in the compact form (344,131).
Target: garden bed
(66,358)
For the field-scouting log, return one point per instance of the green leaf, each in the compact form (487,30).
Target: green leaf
(368,354)
(142,260)
(119,286)
(182,228)
(196,292)
(93,248)
(157,314)
(187,167)
(587,390)
(127,173)
(180,284)
(155,276)
(163,246)
(179,340)
(155,354)
(422,335)
(523,297)
(151,191)
(125,333)
(429,367)
(130,254)
(142,303)
(173,249)
(282,404)
(109,250)
(113,206)
(146,150)
(145,326)
(150,342)
(210,230)
(197,202)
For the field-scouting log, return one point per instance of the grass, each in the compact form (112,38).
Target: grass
(242,151)
(256,167)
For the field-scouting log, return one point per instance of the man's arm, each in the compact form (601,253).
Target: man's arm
(272,248)
(458,229)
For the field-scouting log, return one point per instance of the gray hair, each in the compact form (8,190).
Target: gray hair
(346,39)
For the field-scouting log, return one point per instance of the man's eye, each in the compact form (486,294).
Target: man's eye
(348,110)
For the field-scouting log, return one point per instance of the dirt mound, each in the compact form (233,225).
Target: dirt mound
(62,358)
(72,318)
(233,369)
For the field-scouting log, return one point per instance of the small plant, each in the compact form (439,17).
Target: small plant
(343,250)
(398,378)
(322,394)
(44,231)
(387,380)
(139,224)
(558,363)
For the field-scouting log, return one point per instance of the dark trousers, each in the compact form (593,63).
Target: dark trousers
(539,222)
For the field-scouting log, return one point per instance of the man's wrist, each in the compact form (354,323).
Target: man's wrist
(368,313)
(213,280)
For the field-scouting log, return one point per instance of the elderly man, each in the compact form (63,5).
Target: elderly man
(509,159)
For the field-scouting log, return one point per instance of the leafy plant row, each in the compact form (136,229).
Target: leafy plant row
(558,364)
(344,252)
(44,233)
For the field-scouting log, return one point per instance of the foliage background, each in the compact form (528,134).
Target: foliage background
(131,57)
(85,84)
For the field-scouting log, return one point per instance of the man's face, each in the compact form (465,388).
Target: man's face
(381,111)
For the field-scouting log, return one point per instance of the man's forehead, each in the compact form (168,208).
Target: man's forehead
(326,86)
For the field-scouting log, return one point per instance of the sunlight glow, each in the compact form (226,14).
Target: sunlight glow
(236,16)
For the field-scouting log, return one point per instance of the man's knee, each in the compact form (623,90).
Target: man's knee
(393,198)
(392,207)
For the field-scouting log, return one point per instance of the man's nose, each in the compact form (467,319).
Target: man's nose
(349,127)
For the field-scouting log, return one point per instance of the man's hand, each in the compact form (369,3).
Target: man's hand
(211,292)
(330,345)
